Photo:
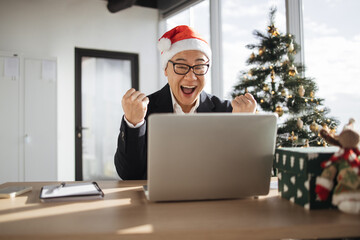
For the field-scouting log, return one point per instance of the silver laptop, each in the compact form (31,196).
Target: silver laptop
(209,156)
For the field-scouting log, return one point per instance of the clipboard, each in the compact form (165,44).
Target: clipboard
(71,192)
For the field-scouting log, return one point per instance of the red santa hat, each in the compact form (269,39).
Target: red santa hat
(178,39)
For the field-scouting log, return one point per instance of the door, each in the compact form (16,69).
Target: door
(9,120)
(102,78)
(40,119)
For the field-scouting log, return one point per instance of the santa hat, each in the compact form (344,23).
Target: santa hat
(178,39)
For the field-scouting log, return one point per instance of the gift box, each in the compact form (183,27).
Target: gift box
(297,169)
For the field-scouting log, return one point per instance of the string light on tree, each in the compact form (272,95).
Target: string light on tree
(266,88)
(293,71)
(262,50)
(279,110)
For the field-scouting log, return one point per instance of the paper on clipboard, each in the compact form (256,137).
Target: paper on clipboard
(71,191)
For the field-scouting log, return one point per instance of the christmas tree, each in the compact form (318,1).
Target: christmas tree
(278,85)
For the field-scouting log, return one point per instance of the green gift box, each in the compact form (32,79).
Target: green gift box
(297,169)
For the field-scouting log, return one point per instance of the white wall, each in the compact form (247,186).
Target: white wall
(53,28)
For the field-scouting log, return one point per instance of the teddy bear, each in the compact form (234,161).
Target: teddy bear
(341,171)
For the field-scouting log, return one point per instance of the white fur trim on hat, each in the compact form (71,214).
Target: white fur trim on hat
(183,45)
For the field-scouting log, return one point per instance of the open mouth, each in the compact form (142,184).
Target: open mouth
(188,89)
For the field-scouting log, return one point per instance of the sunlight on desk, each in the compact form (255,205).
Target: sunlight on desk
(61,208)
(142,229)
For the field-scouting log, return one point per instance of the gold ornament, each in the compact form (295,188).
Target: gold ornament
(252,56)
(279,110)
(283,93)
(261,100)
(299,123)
(312,94)
(314,127)
(307,143)
(301,91)
(272,92)
(291,47)
(292,71)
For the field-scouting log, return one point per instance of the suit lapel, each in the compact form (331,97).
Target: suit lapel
(206,105)
(164,103)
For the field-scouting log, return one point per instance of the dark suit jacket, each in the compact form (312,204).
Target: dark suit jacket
(131,153)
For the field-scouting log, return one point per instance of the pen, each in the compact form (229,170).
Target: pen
(57,188)
(62,185)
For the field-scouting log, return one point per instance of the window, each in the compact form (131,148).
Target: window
(332,49)
(239,20)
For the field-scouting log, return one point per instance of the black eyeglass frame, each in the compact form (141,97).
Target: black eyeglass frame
(190,67)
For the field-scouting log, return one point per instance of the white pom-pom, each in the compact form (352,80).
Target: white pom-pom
(164,44)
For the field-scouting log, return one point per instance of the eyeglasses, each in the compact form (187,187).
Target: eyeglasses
(183,69)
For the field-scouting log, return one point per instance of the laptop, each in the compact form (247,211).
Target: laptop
(208,156)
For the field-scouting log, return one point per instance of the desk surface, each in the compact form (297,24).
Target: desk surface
(126,213)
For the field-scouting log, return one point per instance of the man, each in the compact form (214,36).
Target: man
(185,59)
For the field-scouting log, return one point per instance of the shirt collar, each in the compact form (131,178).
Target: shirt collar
(177,108)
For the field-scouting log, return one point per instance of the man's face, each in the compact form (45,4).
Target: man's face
(186,88)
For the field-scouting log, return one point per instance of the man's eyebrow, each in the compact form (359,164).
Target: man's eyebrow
(197,60)
(200,59)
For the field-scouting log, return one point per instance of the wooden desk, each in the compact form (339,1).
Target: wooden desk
(126,214)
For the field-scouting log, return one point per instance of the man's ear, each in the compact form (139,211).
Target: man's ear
(165,72)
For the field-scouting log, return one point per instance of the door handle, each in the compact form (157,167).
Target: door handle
(79,130)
